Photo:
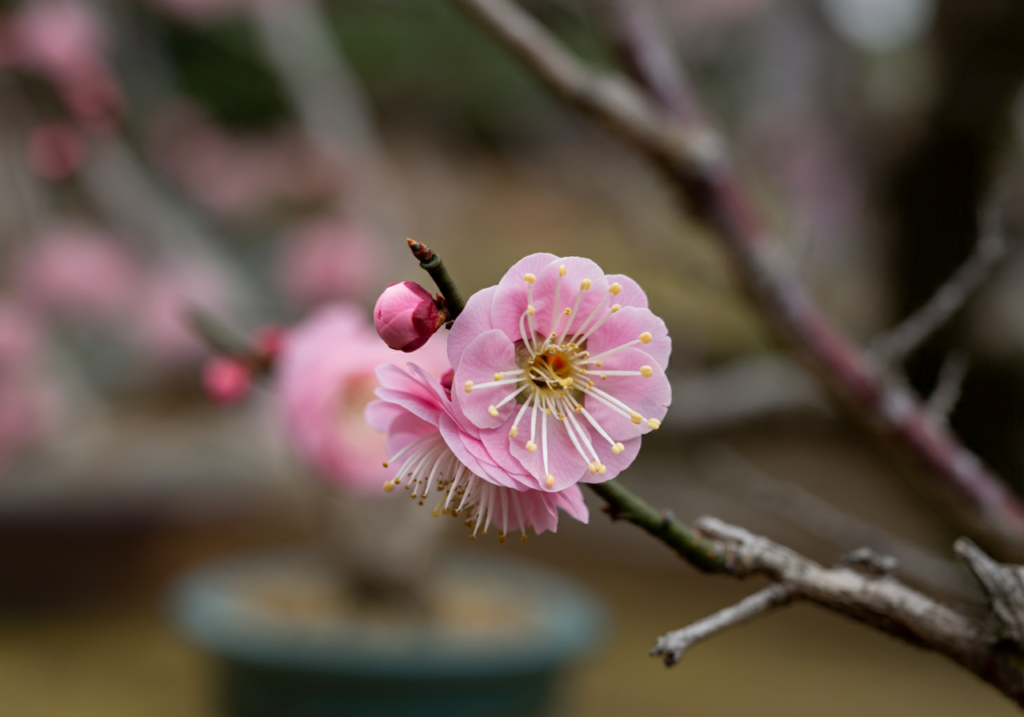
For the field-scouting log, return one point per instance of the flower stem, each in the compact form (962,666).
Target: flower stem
(224,341)
(432,264)
(700,552)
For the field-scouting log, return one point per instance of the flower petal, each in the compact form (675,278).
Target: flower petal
(474,320)
(489,353)
(631,294)
(510,300)
(565,463)
(649,397)
(566,288)
(571,501)
(627,325)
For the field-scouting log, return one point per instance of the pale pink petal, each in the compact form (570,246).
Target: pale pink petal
(474,320)
(567,289)
(565,464)
(473,454)
(402,389)
(631,294)
(405,429)
(614,463)
(510,300)
(627,325)
(571,501)
(649,397)
(489,353)
(381,414)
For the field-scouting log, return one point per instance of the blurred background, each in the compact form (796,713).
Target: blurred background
(262,158)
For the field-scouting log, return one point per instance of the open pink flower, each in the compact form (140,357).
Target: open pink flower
(435,447)
(324,377)
(568,363)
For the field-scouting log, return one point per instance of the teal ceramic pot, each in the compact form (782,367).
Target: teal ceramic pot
(509,629)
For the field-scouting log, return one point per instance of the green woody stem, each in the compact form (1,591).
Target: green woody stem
(432,264)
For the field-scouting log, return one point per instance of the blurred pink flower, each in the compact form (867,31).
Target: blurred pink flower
(324,377)
(159,325)
(238,176)
(436,448)
(55,150)
(326,259)
(66,41)
(405,316)
(77,272)
(583,355)
(226,380)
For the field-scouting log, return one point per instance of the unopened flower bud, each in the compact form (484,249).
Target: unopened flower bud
(405,316)
(226,380)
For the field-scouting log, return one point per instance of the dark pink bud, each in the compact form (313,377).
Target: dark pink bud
(447,379)
(226,380)
(269,340)
(405,316)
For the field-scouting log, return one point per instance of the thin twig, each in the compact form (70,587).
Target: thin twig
(432,264)
(947,393)
(693,159)
(224,341)
(671,646)
(894,346)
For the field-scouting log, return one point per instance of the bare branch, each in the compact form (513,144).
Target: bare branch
(893,347)
(1004,585)
(797,506)
(693,159)
(672,645)
(947,393)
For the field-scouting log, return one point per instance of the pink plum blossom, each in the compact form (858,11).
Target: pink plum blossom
(77,272)
(324,377)
(326,259)
(405,316)
(226,380)
(435,447)
(568,363)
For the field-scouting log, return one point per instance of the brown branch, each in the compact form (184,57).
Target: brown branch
(877,600)
(692,157)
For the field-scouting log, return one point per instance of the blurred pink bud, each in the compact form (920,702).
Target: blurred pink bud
(77,272)
(226,380)
(326,259)
(405,316)
(269,340)
(55,150)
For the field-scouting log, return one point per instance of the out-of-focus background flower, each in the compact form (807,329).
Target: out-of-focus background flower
(262,160)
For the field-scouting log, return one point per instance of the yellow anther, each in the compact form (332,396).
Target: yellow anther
(492,411)
(523,539)
(531,446)
(603,377)
(568,312)
(578,408)
(397,480)
(561,270)
(592,467)
(645,337)
(599,364)
(529,278)
(602,468)
(646,371)
(551,480)
(514,430)
(385,464)
(501,538)
(616,307)
(636,418)
(388,486)
(565,382)
(615,289)
(654,423)
(547,411)
(530,310)
(585,285)
(468,386)
(618,448)
(497,376)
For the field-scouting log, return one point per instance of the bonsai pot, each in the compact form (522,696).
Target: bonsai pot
(495,637)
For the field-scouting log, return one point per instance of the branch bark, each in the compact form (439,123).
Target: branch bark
(694,161)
